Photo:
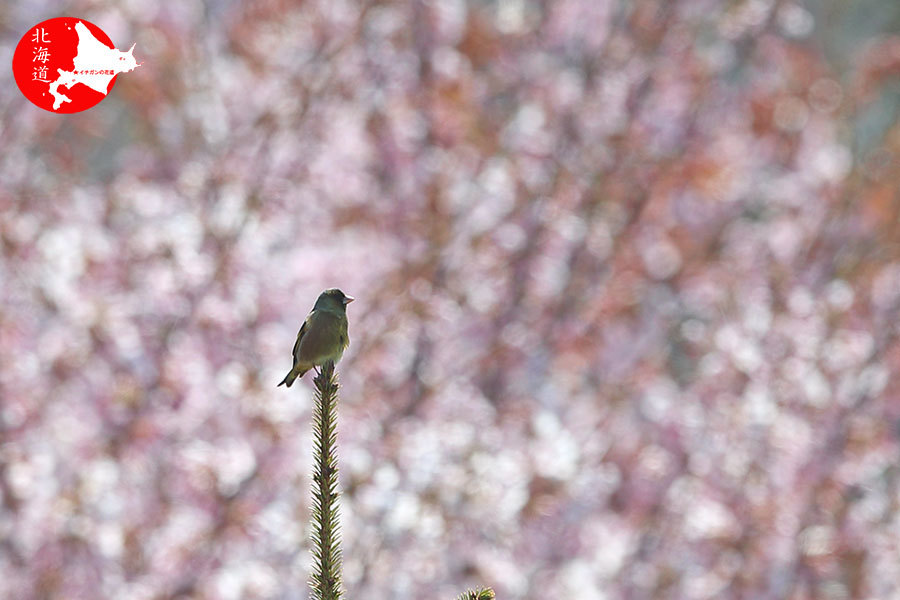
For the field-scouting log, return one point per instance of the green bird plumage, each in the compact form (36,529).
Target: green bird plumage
(323,335)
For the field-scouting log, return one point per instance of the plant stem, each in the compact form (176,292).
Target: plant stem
(326,576)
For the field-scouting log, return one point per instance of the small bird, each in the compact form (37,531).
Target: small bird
(323,335)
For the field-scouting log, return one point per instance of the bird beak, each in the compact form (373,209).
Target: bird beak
(348,300)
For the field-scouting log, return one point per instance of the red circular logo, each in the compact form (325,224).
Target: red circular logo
(67,65)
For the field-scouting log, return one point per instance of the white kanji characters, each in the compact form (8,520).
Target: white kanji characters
(41,54)
(40,74)
(39,36)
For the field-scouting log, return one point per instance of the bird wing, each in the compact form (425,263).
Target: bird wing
(300,333)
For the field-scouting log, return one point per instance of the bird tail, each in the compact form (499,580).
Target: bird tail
(291,376)
(288,379)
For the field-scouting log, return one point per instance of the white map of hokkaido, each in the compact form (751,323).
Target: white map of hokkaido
(94,65)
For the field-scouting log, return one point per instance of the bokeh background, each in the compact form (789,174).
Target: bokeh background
(627,280)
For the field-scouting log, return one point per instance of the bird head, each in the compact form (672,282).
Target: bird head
(333,299)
